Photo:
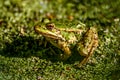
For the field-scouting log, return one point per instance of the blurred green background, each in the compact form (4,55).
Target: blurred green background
(24,57)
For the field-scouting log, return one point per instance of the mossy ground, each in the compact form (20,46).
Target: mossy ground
(24,57)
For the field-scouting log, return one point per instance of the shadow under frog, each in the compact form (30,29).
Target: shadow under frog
(25,47)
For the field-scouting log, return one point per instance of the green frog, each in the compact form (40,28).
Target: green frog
(85,40)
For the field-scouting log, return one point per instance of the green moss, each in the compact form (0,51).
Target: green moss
(23,54)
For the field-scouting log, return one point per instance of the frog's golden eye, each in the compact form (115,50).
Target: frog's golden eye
(50,26)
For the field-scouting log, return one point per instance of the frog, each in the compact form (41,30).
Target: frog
(84,40)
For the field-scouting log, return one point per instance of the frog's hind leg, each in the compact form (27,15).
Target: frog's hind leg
(88,46)
(85,60)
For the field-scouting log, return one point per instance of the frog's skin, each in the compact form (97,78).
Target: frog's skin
(86,41)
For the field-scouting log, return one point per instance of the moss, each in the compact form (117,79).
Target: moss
(24,56)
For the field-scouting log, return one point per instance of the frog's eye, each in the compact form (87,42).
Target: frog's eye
(50,26)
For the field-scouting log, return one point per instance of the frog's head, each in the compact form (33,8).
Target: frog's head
(48,31)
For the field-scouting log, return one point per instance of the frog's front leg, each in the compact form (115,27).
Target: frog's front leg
(65,48)
(88,44)
(62,45)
